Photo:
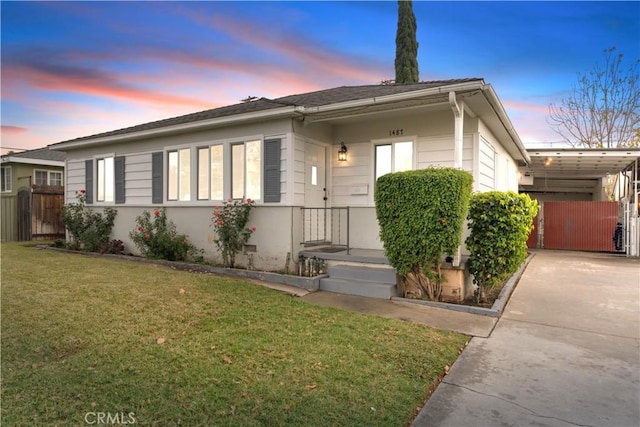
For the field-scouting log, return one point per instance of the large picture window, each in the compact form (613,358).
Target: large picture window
(179,182)
(393,157)
(105,177)
(246,164)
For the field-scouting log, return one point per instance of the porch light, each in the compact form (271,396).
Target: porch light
(342,153)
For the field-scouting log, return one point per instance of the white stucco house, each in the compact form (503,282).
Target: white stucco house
(284,153)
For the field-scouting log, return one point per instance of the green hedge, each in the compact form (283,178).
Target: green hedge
(500,223)
(420,214)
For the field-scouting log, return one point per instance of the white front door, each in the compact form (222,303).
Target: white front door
(315,176)
(315,195)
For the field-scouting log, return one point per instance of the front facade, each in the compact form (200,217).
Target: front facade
(283,154)
(41,168)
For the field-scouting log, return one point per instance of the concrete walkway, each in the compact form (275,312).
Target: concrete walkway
(466,323)
(564,353)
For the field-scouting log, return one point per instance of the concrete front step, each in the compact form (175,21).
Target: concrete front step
(362,272)
(358,287)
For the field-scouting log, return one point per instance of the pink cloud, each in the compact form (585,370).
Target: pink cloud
(526,107)
(298,49)
(53,77)
(315,63)
(12,130)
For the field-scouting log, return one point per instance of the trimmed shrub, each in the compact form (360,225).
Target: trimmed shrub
(87,229)
(156,238)
(500,223)
(420,214)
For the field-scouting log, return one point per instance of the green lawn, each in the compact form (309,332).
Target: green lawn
(84,335)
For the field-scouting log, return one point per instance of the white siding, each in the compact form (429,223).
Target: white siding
(138,179)
(75,180)
(298,171)
(284,152)
(487,171)
(352,179)
(505,170)
(439,151)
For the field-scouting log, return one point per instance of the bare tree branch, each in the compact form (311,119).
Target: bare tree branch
(603,109)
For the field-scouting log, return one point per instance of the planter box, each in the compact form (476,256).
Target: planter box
(308,283)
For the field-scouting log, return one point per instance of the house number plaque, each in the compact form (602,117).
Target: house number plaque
(396,132)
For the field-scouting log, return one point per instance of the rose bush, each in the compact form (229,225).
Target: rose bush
(88,230)
(156,237)
(230,224)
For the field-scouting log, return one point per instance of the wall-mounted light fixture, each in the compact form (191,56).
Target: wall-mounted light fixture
(548,161)
(342,153)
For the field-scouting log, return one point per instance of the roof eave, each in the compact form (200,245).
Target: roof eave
(388,99)
(28,161)
(183,127)
(497,107)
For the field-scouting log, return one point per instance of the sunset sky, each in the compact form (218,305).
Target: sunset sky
(72,69)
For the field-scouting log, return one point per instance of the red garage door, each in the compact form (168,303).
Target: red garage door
(579,226)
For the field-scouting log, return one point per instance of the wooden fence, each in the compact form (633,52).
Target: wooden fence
(40,213)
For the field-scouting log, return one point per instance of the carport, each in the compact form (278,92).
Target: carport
(588,197)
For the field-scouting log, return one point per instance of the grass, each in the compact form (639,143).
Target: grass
(87,335)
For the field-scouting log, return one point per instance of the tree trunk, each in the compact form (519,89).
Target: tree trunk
(417,284)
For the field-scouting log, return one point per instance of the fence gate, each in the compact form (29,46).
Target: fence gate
(40,213)
(577,226)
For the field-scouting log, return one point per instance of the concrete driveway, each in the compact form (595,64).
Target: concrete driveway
(564,353)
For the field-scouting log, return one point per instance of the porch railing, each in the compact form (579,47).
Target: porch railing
(326,227)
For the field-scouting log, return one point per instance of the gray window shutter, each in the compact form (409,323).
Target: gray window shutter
(88,180)
(157,163)
(272,170)
(118,171)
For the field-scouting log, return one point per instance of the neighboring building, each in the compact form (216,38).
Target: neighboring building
(284,153)
(24,177)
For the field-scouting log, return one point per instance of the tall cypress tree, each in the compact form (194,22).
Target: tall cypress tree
(406,44)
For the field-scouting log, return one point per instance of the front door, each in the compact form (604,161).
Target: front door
(315,196)
(315,180)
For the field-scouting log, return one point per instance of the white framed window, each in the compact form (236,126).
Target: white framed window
(393,157)
(211,172)
(246,169)
(179,175)
(41,178)
(5,179)
(44,177)
(55,178)
(105,179)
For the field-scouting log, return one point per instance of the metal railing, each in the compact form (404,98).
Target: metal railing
(325,227)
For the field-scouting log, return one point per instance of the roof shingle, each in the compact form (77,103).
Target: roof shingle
(40,154)
(310,99)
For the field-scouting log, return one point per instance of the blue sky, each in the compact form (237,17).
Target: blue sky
(72,69)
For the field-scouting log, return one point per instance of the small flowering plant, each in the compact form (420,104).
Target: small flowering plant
(230,224)
(156,237)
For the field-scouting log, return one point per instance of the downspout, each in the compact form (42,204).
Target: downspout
(458,113)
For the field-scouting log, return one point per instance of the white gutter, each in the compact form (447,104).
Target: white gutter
(473,85)
(167,130)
